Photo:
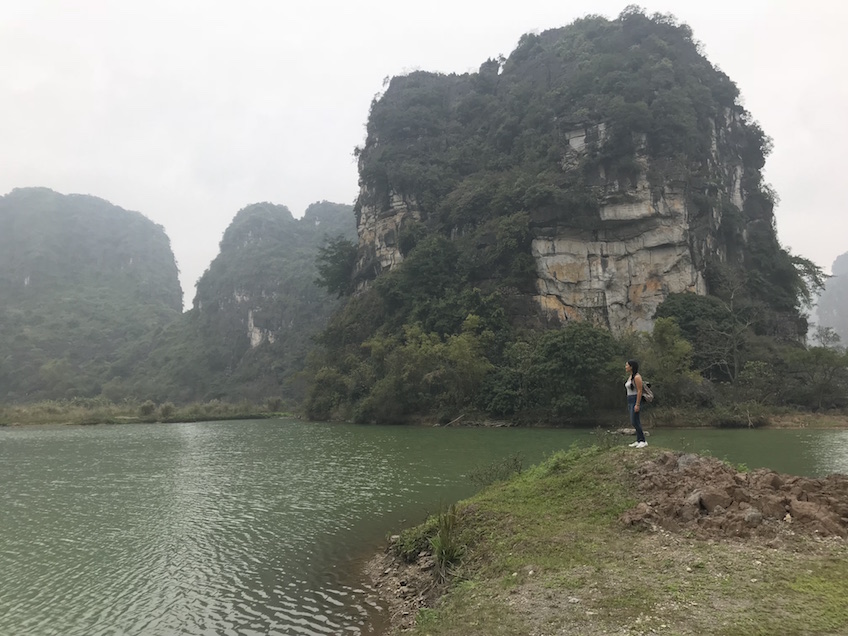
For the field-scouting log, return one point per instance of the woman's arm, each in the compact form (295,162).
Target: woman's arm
(638,380)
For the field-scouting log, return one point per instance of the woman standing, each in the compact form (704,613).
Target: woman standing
(634,401)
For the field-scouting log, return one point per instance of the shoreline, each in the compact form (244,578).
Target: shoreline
(816,421)
(735,542)
(403,589)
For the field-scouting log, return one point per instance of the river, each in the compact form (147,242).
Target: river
(257,527)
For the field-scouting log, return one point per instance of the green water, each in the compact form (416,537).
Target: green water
(256,527)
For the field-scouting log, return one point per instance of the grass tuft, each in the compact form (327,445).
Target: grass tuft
(446,544)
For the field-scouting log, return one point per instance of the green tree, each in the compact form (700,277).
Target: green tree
(666,361)
(826,337)
(758,382)
(326,394)
(822,373)
(336,261)
(718,330)
(567,366)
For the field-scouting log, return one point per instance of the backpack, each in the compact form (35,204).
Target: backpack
(647,394)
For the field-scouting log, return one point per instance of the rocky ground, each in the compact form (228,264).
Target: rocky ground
(683,497)
(404,588)
(704,496)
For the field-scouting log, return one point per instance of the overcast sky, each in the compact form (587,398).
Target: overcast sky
(189,110)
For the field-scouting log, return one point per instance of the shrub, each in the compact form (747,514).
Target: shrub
(328,390)
(412,541)
(274,404)
(147,408)
(166,410)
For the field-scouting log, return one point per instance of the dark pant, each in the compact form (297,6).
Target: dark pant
(635,420)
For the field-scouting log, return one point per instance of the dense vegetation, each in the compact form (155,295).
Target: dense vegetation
(449,332)
(833,302)
(92,306)
(81,281)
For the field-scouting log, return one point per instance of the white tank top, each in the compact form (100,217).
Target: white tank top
(629,390)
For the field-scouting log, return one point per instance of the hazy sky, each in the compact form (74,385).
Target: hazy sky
(189,110)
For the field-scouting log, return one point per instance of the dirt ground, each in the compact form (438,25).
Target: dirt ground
(711,499)
(683,495)
(404,588)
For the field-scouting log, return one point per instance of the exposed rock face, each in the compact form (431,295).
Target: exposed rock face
(379,229)
(617,274)
(648,240)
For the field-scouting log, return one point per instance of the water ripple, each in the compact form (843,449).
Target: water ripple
(238,528)
(190,529)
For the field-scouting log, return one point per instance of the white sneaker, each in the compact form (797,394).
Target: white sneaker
(634,444)
(641,444)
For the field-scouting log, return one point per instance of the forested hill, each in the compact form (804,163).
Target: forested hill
(81,280)
(597,172)
(257,307)
(617,134)
(91,302)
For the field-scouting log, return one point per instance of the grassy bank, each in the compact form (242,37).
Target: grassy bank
(547,553)
(81,411)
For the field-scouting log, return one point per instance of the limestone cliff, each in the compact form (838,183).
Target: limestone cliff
(646,241)
(649,241)
(638,169)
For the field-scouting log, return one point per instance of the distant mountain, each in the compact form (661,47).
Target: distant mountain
(257,306)
(81,280)
(833,302)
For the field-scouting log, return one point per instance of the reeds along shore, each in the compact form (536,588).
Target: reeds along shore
(81,411)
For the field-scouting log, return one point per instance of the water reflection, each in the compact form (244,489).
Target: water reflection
(828,453)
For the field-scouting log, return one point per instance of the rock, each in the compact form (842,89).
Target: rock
(772,506)
(694,499)
(684,492)
(712,498)
(824,521)
(684,461)
(753,517)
